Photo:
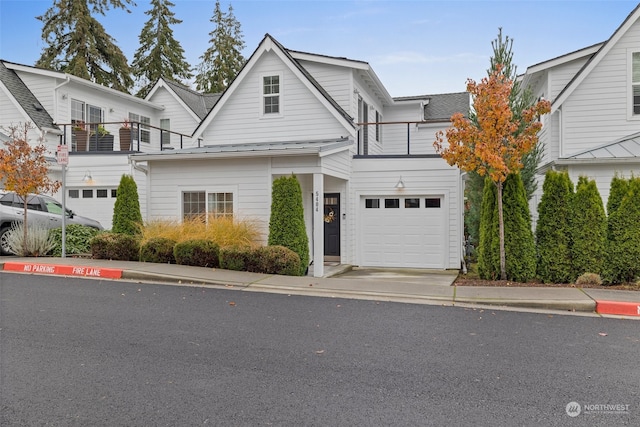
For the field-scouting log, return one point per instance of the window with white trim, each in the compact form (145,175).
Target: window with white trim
(145,131)
(271,94)
(635,82)
(200,204)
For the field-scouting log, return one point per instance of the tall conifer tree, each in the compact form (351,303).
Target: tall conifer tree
(159,54)
(222,61)
(79,45)
(588,228)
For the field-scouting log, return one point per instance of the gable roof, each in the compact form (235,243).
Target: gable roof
(269,44)
(595,59)
(198,103)
(25,99)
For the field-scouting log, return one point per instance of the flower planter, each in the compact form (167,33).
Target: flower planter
(125,139)
(80,138)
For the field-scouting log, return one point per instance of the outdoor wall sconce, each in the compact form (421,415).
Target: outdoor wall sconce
(87,178)
(400,183)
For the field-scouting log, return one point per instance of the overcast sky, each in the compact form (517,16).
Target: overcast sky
(415,47)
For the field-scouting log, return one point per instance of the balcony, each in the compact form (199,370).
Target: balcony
(122,137)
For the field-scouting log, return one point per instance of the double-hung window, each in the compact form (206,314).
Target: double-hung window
(271,94)
(144,131)
(201,204)
(635,82)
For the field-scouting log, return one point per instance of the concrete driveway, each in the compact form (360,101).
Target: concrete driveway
(403,275)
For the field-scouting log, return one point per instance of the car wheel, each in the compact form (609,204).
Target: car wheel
(4,243)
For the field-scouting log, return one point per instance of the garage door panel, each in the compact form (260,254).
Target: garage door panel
(402,237)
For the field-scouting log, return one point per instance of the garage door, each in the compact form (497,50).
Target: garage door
(407,231)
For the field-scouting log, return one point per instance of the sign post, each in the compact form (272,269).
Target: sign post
(62,157)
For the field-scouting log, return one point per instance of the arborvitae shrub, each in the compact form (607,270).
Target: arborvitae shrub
(286,224)
(588,228)
(197,252)
(553,235)
(158,250)
(278,260)
(618,189)
(489,250)
(115,246)
(519,244)
(235,258)
(127,218)
(623,244)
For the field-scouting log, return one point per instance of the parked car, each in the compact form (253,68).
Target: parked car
(42,209)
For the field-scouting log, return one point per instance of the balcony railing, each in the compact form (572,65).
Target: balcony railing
(122,136)
(397,137)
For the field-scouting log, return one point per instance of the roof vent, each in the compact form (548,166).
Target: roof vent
(38,107)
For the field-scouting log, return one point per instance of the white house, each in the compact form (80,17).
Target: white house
(593,129)
(375,192)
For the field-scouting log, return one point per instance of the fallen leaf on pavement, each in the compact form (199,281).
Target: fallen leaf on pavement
(231,303)
(319,351)
(602,334)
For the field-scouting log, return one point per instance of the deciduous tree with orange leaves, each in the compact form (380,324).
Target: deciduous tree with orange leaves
(495,144)
(24,168)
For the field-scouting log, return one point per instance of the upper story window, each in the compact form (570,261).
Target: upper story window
(145,131)
(635,82)
(271,94)
(82,113)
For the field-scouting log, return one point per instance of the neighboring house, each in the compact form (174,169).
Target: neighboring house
(375,193)
(593,129)
(66,109)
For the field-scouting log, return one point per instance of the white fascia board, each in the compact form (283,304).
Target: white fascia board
(16,104)
(542,66)
(223,155)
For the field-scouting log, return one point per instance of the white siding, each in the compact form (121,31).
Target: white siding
(561,75)
(181,120)
(303,116)
(596,112)
(335,80)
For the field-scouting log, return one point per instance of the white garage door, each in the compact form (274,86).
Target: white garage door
(407,231)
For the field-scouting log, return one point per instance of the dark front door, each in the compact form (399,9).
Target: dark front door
(332,225)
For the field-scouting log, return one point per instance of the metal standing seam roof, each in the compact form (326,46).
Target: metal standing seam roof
(27,100)
(275,148)
(199,103)
(624,148)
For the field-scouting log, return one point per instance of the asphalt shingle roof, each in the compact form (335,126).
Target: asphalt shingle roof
(199,103)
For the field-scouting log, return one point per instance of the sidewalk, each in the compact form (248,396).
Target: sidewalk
(431,288)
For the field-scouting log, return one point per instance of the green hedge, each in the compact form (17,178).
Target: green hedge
(588,225)
(158,250)
(197,252)
(115,246)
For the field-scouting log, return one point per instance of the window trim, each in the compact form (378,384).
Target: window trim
(280,76)
(630,84)
(208,190)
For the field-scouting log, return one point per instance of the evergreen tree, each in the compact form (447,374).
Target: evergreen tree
(519,243)
(489,250)
(159,54)
(286,225)
(617,191)
(222,61)
(623,244)
(553,237)
(127,218)
(520,99)
(588,229)
(76,43)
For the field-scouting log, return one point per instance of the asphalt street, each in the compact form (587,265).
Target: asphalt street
(95,352)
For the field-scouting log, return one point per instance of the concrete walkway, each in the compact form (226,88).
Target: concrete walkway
(412,286)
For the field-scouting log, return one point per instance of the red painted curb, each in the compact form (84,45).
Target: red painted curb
(617,307)
(67,270)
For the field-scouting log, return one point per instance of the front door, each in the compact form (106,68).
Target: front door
(332,226)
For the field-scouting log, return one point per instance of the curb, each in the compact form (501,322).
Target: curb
(618,308)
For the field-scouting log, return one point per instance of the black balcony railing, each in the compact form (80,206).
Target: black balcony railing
(389,131)
(122,136)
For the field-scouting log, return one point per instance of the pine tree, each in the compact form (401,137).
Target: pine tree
(286,225)
(159,54)
(76,43)
(553,237)
(623,244)
(127,218)
(588,229)
(222,61)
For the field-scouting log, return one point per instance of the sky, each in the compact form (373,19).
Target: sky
(416,47)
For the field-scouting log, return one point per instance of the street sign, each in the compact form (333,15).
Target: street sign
(63,155)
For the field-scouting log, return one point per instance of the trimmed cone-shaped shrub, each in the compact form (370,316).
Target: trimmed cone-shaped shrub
(619,188)
(588,229)
(115,246)
(489,245)
(127,218)
(197,252)
(286,224)
(623,245)
(553,234)
(158,250)
(519,244)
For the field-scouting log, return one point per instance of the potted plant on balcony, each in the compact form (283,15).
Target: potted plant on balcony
(101,139)
(79,136)
(125,135)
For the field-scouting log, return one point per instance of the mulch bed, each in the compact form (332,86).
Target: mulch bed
(471,281)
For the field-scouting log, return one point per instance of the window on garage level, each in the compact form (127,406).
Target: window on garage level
(392,203)
(432,203)
(372,203)
(411,203)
